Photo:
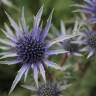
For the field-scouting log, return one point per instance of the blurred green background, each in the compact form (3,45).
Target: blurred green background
(81,85)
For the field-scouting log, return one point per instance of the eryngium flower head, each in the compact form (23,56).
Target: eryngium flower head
(89,40)
(29,49)
(48,89)
(69,44)
(89,8)
(72,48)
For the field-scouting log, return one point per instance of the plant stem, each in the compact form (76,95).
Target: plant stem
(63,59)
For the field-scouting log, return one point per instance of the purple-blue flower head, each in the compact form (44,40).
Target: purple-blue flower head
(89,40)
(49,88)
(29,49)
(69,44)
(89,7)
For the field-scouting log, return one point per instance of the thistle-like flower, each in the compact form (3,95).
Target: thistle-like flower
(89,7)
(89,40)
(48,89)
(29,49)
(69,44)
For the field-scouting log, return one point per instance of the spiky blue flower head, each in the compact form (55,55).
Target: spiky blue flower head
(29,49)
(69,44)
(89,40)
(89,7)
(48,89)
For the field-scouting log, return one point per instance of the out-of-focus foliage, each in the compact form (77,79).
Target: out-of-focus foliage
(82,85)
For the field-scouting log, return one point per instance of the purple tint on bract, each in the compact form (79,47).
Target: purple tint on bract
(90,42)
(29,49)
(49,88)
(69,44)
(89,7)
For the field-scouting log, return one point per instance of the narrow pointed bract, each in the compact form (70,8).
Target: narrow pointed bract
(19,76)
(47,27)
(67,39)
(36,22)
